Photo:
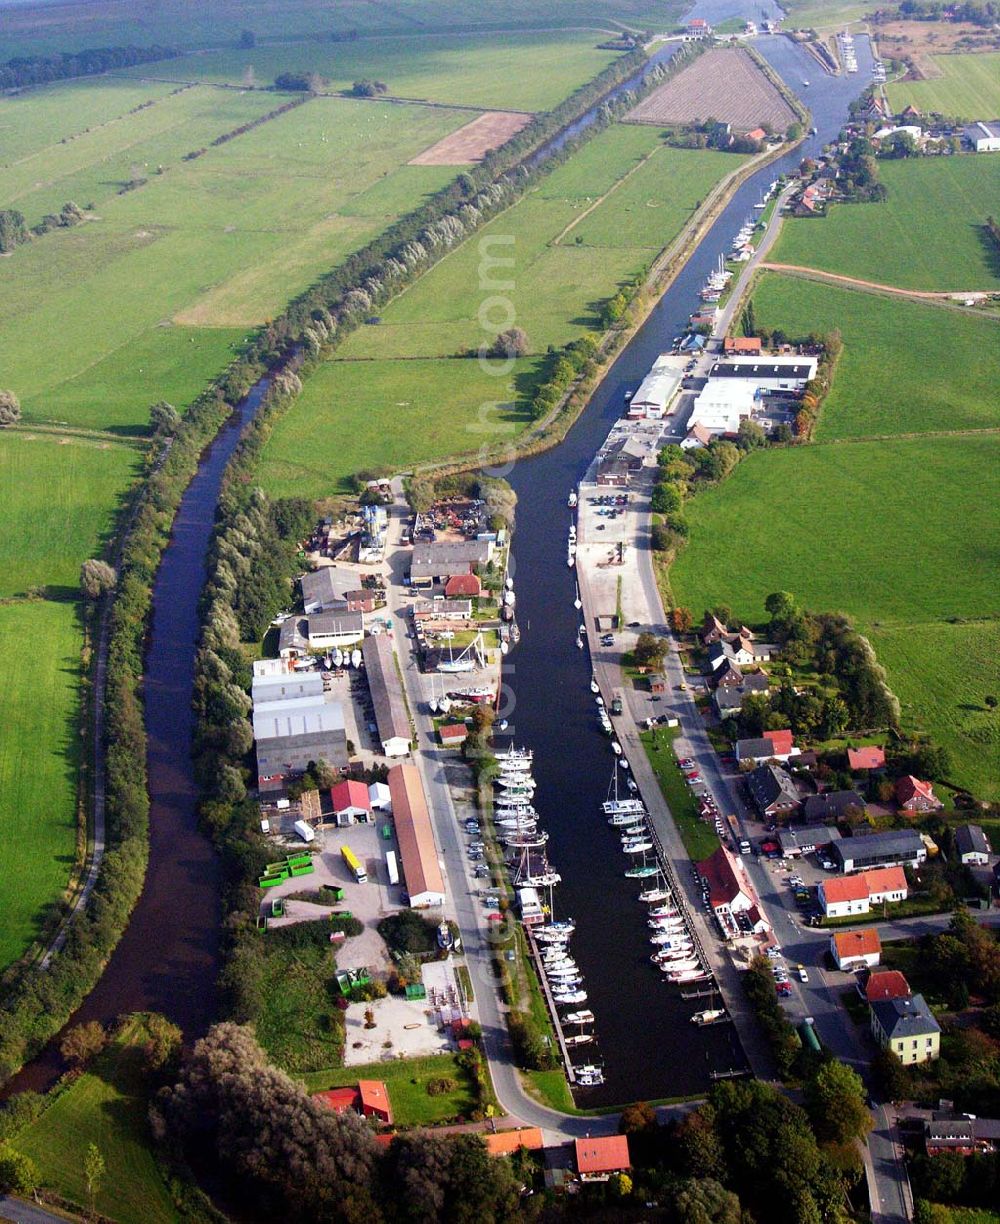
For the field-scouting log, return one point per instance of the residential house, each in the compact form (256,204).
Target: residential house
(730,891)
(696,437)
(728,676)
(972,846)
(964,1136)
(856,949)
(360,599)
(507,1142)
(832,806)
(758,750)
(712,630)
(370,1099)
(913,795)
(897,847)
(856,894)
(744,346)
(599,1156)
(875,985)
(874,109)
(907,1028)
(729,700)
(782,743)
(740,652)
(351,801)
(862,759)
(698,27)
(757,133)
(459,610)
(772,791)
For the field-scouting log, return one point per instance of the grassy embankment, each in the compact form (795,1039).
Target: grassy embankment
(929,234)
(968,87)
(589,226)
(845,523)
(699,838)
(105,1106)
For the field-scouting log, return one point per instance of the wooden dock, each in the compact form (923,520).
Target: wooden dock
(550,1003)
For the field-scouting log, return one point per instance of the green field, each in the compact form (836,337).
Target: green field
(941,673)
(298,1025)
(847,527)
(57,497)
(106,1106)
(565,264)
(906,367)
(530,72)
(353,414)
(929,234)
(39,755)
(823,14)
(969,88)
(407,1079)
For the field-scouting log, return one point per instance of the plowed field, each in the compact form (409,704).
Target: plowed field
(473,141)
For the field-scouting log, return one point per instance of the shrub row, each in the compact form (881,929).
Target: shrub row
(244,128)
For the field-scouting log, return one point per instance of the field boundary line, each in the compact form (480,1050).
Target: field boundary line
(911,436)
(81,433)
(610,191)
(933,297)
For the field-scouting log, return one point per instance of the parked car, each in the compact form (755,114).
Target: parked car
(784,989)
(803,975)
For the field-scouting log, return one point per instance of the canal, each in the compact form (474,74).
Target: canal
(648,1045)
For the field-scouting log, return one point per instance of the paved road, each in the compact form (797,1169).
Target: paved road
(22,1212)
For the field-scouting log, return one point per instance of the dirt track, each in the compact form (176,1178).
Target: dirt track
(723,84)
(951,297)
(473,140)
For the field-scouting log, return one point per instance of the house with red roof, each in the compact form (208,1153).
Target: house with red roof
(599,1156)
(757,134)
(351,801)
(744,346)
(912,795)
(729,889)
(463,586)
(859,949)
(507,1142)
(698,27)
(856,894)
(876,986)
(370,1098)
(871,757)
(782,743)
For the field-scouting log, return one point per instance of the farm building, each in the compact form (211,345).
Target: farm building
(907,1028)
(860,759)
(972,846)
(772,791)
(767,375)
(350,801)
(912,795)
(831,806)
(421,869)
(436,563)
(391,717)
(983,137)
(598,1156)
(856,949)
(847,895)
(890,849)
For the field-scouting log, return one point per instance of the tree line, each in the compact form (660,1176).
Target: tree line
(24,70)
(243,128)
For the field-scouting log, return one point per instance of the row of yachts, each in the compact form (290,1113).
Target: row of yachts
(516,822)
(675,953)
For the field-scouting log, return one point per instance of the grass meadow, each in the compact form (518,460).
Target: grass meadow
(57,501)
(941,674)
(968,88)
(356,414)
(530,71)
(39,757)
(406,1081)
(906,367)
(929,234)
(106,1106)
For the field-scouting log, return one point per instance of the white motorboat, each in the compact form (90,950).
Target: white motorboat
(623,762)
(616,748)
(690,975)
(515,758)
(566,925)
(560,963)
(589,1069)
(671,968)
(545,879)
(590,1079)
(664,911)
(594,686)
(643,872)
(355,658)
(711,1015)
(580,1017)
(666,924)
(570,996)
(571,501)
(547,935)
(578,602)
(665,938)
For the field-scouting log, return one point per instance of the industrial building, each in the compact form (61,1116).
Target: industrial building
(323,631)
(432,563)
(983,137)
(897,847)
(294,723)
(391,716)
(657,390)
(768,375)
(421,869)
(722,404)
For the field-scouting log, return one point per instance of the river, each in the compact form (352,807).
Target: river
(168,959)
(649,1047)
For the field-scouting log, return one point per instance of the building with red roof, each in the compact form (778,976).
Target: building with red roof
(351,801)
(856,949)
(453,734)
(463,586)
(912,795)
(340,1100)
(877,986)
(782,742)
(757,134)
(856,894)
(370,1098)
(871,757)
(507,1142)
(599,1156)
(729,889)
(747,346)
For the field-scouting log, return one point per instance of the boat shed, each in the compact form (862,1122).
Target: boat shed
(418,852)
(432,563)
(657,390)
(386,689)
(291,734)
